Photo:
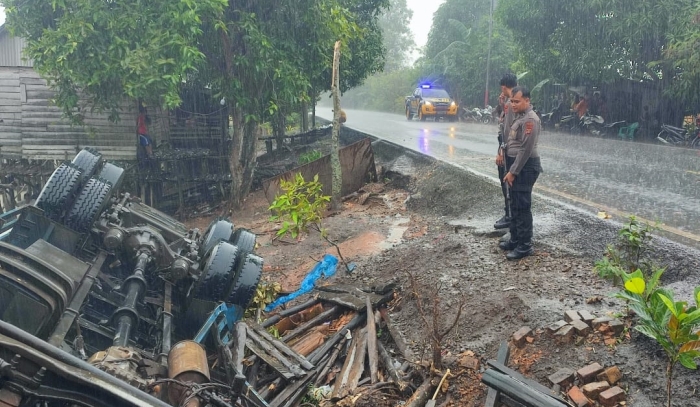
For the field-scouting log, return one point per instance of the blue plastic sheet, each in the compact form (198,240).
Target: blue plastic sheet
(324,268)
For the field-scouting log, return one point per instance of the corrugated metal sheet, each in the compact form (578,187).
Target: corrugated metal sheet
(11,50)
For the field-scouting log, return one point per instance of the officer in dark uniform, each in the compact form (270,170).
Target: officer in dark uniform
(508,82)
(524,167)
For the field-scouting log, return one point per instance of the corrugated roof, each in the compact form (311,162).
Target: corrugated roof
(11,50)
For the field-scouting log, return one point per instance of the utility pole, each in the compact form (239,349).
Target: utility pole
(488,57)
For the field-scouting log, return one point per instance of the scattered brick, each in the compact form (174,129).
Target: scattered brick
(581,328)
(592,390)
(551,329)
(563,377)
(612,396)
(565,334)
(588,374)
(617,326)
(600,321)
(586,317)
(577,396)
(468,362)
(519,337)
(611,375)
(571,316)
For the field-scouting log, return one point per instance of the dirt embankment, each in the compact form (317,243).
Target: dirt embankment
(434,222)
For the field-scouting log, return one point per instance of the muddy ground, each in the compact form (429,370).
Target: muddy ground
(433,222)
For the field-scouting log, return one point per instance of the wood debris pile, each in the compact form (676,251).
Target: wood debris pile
(326,352)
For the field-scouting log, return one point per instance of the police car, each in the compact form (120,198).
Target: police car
(429,100)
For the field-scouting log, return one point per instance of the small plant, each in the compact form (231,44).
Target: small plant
(673,324)
(628,253)
(265,294)
(309,156)
(300,208)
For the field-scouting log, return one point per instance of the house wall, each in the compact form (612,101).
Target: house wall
(33,128)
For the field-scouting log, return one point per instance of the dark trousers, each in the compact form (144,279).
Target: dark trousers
(501,174)
(521,200)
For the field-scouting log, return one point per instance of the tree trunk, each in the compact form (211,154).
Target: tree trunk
(313,109)
(335,144)
(437,354)
(304,117)
(242,159)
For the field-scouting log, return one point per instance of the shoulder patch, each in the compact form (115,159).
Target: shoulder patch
(529,126)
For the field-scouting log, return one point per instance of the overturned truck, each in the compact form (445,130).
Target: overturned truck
(105,301)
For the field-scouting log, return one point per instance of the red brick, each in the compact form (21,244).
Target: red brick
(563,377)
(582,329)
(592,390)
(600,321)
(588,374)
(612,396)
(577,396)
(520,336)
(571,316)
(611,375)
(565,334)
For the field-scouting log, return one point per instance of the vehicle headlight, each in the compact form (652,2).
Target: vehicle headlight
(453,104)
(428,103)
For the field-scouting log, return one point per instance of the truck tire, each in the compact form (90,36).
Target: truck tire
(246,281)
(112,174)
(87,161)
(409,115)
(244,239)
(218,274)
(88,205)
(421,116)
(58,192)
(219,230)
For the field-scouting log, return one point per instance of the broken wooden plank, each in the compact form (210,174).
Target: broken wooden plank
(271,350)
(391,371)
(503,354)
(371,343)
(316,355)
(285,313)
(318,319)
(422,393)
(281,346)
(331,361)
(271,361)
(397,336)
(354,365)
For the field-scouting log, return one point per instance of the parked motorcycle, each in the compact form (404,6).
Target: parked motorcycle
(486,115)
(472,115)
(673,135)
(592,124)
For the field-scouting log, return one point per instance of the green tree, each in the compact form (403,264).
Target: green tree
(602,41)
(261,57)
(398,41)
(457,51)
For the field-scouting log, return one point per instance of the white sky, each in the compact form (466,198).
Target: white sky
(422,18)
(2,15)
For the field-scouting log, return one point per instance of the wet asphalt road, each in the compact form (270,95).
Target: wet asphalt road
(654,182)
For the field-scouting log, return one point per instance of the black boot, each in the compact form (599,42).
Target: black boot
(504,238)
(502,223)
(523,250)
(508,245)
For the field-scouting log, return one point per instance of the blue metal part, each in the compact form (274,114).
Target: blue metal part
(224,317)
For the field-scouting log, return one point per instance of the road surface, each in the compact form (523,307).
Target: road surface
(657,183)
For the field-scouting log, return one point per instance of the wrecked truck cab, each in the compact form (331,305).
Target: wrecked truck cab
(91,278)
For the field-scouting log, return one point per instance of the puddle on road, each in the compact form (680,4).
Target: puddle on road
(396,231)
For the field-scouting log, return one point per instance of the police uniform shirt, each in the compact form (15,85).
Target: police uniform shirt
(522,139)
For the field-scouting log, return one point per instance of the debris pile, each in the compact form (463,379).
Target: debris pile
(327,349)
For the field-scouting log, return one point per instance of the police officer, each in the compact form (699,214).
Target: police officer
(508,82)
(524,167)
